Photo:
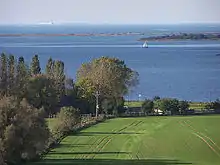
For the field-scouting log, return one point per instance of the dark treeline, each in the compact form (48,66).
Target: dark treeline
(27,97)
(51,89)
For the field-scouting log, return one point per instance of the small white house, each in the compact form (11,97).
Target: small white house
(158,111)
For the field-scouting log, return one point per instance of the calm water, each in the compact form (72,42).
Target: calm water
(186,69)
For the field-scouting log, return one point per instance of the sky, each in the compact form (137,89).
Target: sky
(109,11)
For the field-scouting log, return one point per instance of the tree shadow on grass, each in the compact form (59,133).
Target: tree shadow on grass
(61,145)
(106,133)
(110,162)
(85,153)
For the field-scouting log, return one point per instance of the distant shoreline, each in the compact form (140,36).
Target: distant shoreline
(183,37)
(72,34)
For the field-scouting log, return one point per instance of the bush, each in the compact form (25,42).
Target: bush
(183,106)
(24,133)
(67,118)
(169,105)
(147,106)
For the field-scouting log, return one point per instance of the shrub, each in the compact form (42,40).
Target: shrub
(67,118)
(169,105)
(184,106)
(147,106)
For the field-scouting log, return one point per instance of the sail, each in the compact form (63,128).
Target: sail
(145,44)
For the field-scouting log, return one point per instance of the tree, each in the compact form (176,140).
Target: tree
(183,106)
(156,98)
(108,105)
(11,75)
(50,67)
(22,76)
(216,104)
(59,78)
(41,93)
(71,97)
(3,75)
(209,106)
(147,106)
(213,105)
(35,66)
(108,77)
(120,105)
(24,133)
(171,105)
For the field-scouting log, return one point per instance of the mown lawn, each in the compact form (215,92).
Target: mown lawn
(142,141)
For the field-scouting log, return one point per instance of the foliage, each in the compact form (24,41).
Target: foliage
(110,77)
(113,105)
(108,106)
(213,105)
(59,78)
(24,133)
(171,105)
(22,77)
(50,67)
(3,75)
(147,106)
(183,107)
(41,93)
(11,76)
(67,118)
(156,98)
(35,66)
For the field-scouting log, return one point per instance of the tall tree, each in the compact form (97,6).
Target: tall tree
(106,77)
(109,76)
(35,66)
(59,78)
(21,78)
(147,106)
(11,75)
(3,75)
(50,67)
(183,105)
(41,93)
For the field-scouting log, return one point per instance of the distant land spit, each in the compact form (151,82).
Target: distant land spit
(73,34)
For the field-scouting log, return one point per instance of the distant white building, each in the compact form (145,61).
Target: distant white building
(158,111)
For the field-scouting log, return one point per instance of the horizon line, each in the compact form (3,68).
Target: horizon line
(88,23)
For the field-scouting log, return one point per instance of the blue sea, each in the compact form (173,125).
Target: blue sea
(188,70)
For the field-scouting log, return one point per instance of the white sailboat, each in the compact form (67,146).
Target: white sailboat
(145,45)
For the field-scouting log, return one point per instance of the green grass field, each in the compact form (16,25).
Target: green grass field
(51,122)
(142,141)
(193,105)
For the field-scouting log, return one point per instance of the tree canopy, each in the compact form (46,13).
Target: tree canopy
(109,76)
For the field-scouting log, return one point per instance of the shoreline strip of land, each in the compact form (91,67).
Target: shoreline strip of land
(183,37)
(70,34)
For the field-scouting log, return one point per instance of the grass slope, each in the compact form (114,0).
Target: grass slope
(142,141)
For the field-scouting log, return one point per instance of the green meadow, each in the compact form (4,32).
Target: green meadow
(192,105)
(156,140)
